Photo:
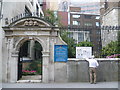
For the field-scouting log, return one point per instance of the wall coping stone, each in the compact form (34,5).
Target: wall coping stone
(99,59)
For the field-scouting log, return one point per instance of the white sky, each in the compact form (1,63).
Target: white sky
(58,0)
(53,0)
(85,0)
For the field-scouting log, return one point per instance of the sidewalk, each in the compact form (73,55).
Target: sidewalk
(61,85)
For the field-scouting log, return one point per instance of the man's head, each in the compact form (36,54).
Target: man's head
(92,56)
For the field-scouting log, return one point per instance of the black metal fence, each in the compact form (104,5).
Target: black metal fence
(102,38)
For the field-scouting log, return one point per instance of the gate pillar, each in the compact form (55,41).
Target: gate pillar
(45,68)
(14,69)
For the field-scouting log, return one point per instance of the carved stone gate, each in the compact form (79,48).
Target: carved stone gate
(31,28)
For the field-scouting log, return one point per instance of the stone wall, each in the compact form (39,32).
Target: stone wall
(77,71)
(10,9)
(110,18)
(0,53)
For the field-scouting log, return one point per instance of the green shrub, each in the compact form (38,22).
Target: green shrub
(35,65)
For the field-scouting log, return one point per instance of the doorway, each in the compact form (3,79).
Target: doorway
(30,61)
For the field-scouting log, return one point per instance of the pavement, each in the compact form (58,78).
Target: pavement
(62,85)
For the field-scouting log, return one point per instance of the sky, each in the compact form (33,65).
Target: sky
(57,0)
(85,1)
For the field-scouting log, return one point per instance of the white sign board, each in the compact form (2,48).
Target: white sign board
(83,52)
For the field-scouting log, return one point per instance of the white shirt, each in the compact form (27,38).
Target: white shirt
(92,63)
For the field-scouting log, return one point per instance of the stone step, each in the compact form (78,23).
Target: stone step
(29,81)
(31,77)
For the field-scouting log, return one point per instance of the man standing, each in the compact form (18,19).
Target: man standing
(93,64)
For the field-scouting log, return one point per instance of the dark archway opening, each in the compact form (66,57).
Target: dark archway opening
(30,61)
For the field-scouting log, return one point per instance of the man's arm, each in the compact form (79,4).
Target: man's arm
(97,64)
(87,59)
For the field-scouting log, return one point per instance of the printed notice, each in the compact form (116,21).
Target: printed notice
(60,53)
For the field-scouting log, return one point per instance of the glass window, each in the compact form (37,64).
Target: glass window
(55,13)
(88,24)
(98,32)
(70,35)
(76,16)
(80,37)
(76,23)
(87,36)
(88,16)
(97,17)
(97,24)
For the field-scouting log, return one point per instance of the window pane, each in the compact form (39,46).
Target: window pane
(55,13)
(97,17)
(80,37)
(76,16)
(76,23)
(88,16)
(88,24)
(97,24)
(71,35)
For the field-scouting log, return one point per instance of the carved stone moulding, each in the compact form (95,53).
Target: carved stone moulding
(32,23)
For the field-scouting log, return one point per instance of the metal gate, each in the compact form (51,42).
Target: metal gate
(19,68)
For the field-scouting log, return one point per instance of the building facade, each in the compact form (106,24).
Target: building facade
(63,16)
(10,12)
(0,41)
(82,16)
(22,26)
(93,8)
(110,11)
(88,6)
(59,7)
(88,28)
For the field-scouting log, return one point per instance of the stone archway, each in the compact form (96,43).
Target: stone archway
(29,55)
(31,28)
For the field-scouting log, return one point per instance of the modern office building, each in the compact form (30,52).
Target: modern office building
(88,6)
(92,8)
(87,28)
(79,15)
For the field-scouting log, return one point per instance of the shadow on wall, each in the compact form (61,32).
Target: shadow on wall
(77,71)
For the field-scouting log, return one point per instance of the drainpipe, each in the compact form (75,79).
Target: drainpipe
(1,43)
(1,2)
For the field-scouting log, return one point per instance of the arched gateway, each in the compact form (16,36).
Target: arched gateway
(31,28)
